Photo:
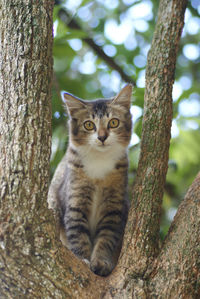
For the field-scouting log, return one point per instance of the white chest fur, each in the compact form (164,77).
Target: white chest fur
(97,164)
(95,210)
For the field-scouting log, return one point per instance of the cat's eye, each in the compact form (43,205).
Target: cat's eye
(113,123)
(89,125)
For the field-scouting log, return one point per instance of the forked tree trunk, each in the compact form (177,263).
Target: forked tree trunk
(33,263)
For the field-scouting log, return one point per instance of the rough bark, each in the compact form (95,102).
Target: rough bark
(177,268)
(33,263)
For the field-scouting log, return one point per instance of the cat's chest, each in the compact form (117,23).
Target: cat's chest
(98,168)
(95,209)
(97,165)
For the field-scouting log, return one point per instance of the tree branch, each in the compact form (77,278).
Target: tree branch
(177,265)
(73,24)
(142,230)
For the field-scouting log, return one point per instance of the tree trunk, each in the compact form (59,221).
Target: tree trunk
(33,262)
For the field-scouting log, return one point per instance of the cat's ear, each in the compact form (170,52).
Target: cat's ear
(123,98)
(73,103)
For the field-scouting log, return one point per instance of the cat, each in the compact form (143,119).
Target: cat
(89,187)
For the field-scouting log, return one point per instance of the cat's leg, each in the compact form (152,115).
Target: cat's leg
(77,232)
(108,240)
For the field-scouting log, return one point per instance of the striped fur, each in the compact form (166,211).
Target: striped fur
(90,184)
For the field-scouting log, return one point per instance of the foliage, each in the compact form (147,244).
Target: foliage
(123,30)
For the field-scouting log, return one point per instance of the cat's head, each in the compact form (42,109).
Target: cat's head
(101,123)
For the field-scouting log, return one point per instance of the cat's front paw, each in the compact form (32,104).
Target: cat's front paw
(101,267)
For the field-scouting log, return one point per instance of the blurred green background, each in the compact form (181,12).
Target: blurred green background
(94,39)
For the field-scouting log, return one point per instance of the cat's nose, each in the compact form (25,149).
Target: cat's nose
(102,135)
(102,138)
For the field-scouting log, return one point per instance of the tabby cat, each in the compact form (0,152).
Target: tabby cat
(90,184)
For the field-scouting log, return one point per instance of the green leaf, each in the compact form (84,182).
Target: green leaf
(138,127)
(62,49)
(138,97)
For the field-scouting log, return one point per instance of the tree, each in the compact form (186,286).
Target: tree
(33,262)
